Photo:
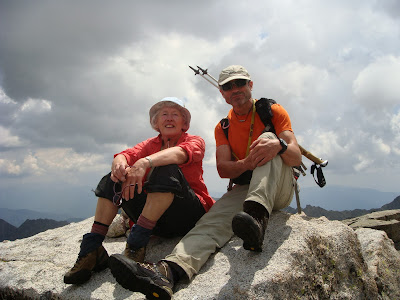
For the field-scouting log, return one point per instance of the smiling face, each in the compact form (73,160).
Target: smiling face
(170,122)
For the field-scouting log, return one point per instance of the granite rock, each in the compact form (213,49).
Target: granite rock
(302,258)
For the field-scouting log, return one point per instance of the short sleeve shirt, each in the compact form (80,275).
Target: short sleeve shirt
(239,131)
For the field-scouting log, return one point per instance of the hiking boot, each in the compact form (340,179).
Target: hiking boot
(95,261)
(250,225)
(153,280)
(136,255)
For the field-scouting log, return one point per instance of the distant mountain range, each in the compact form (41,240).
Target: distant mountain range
(316,211)
(22,223)
(340,198)
(18,216)
(27,229)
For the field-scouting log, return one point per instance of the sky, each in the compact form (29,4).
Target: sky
(77,79)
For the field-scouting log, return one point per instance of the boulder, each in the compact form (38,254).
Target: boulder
(387,220)
(302,258)
(119,226)
(382,260)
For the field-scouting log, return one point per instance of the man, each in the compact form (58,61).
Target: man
(261,166)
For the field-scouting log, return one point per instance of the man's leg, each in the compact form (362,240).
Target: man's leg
(212,231)
(272,185)
(271,188)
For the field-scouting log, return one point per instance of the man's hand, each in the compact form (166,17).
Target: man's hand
(262,151)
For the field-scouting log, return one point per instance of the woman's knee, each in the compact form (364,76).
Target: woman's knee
(166,171)
(167,178)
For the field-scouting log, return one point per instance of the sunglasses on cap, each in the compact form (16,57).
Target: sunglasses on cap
(238,83)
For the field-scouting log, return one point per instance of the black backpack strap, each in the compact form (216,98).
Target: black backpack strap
(264,111)
(225,126)
(263,108)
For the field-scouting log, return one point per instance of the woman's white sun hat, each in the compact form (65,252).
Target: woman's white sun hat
(169,101)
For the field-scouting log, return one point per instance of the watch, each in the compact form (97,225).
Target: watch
(283,145)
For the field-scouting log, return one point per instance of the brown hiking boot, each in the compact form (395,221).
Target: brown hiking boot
(136,255)
(250,225)
(95,261)
(153,280)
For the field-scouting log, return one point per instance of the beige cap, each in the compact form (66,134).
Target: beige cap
(231,73)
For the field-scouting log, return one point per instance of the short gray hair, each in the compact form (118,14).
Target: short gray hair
(155,112)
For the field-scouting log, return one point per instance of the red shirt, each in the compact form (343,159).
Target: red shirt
(192,169)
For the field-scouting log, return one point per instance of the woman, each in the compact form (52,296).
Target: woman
(159,184)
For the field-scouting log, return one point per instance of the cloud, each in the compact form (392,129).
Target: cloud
(7,140)
(376,86)
(9,167)
(49,164)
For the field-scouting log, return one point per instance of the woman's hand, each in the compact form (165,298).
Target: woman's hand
(134,176)
(118,168)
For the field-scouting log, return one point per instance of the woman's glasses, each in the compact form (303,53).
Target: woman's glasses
(238,83)
(117,199)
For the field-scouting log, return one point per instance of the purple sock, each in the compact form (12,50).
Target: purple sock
(146,223)
(99,228)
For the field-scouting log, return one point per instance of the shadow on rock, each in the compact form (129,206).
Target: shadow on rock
(244,264)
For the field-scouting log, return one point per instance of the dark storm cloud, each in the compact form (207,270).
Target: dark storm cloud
(47,40)
(53,50)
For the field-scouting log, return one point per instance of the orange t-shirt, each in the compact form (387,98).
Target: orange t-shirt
(239,140)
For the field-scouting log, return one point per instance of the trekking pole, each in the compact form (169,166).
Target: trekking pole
(317,166)
(197,72)
(206,73)
(312,157)
(318,161)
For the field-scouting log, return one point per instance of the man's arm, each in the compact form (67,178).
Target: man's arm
(228,168)
(292,156)
(261,152)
